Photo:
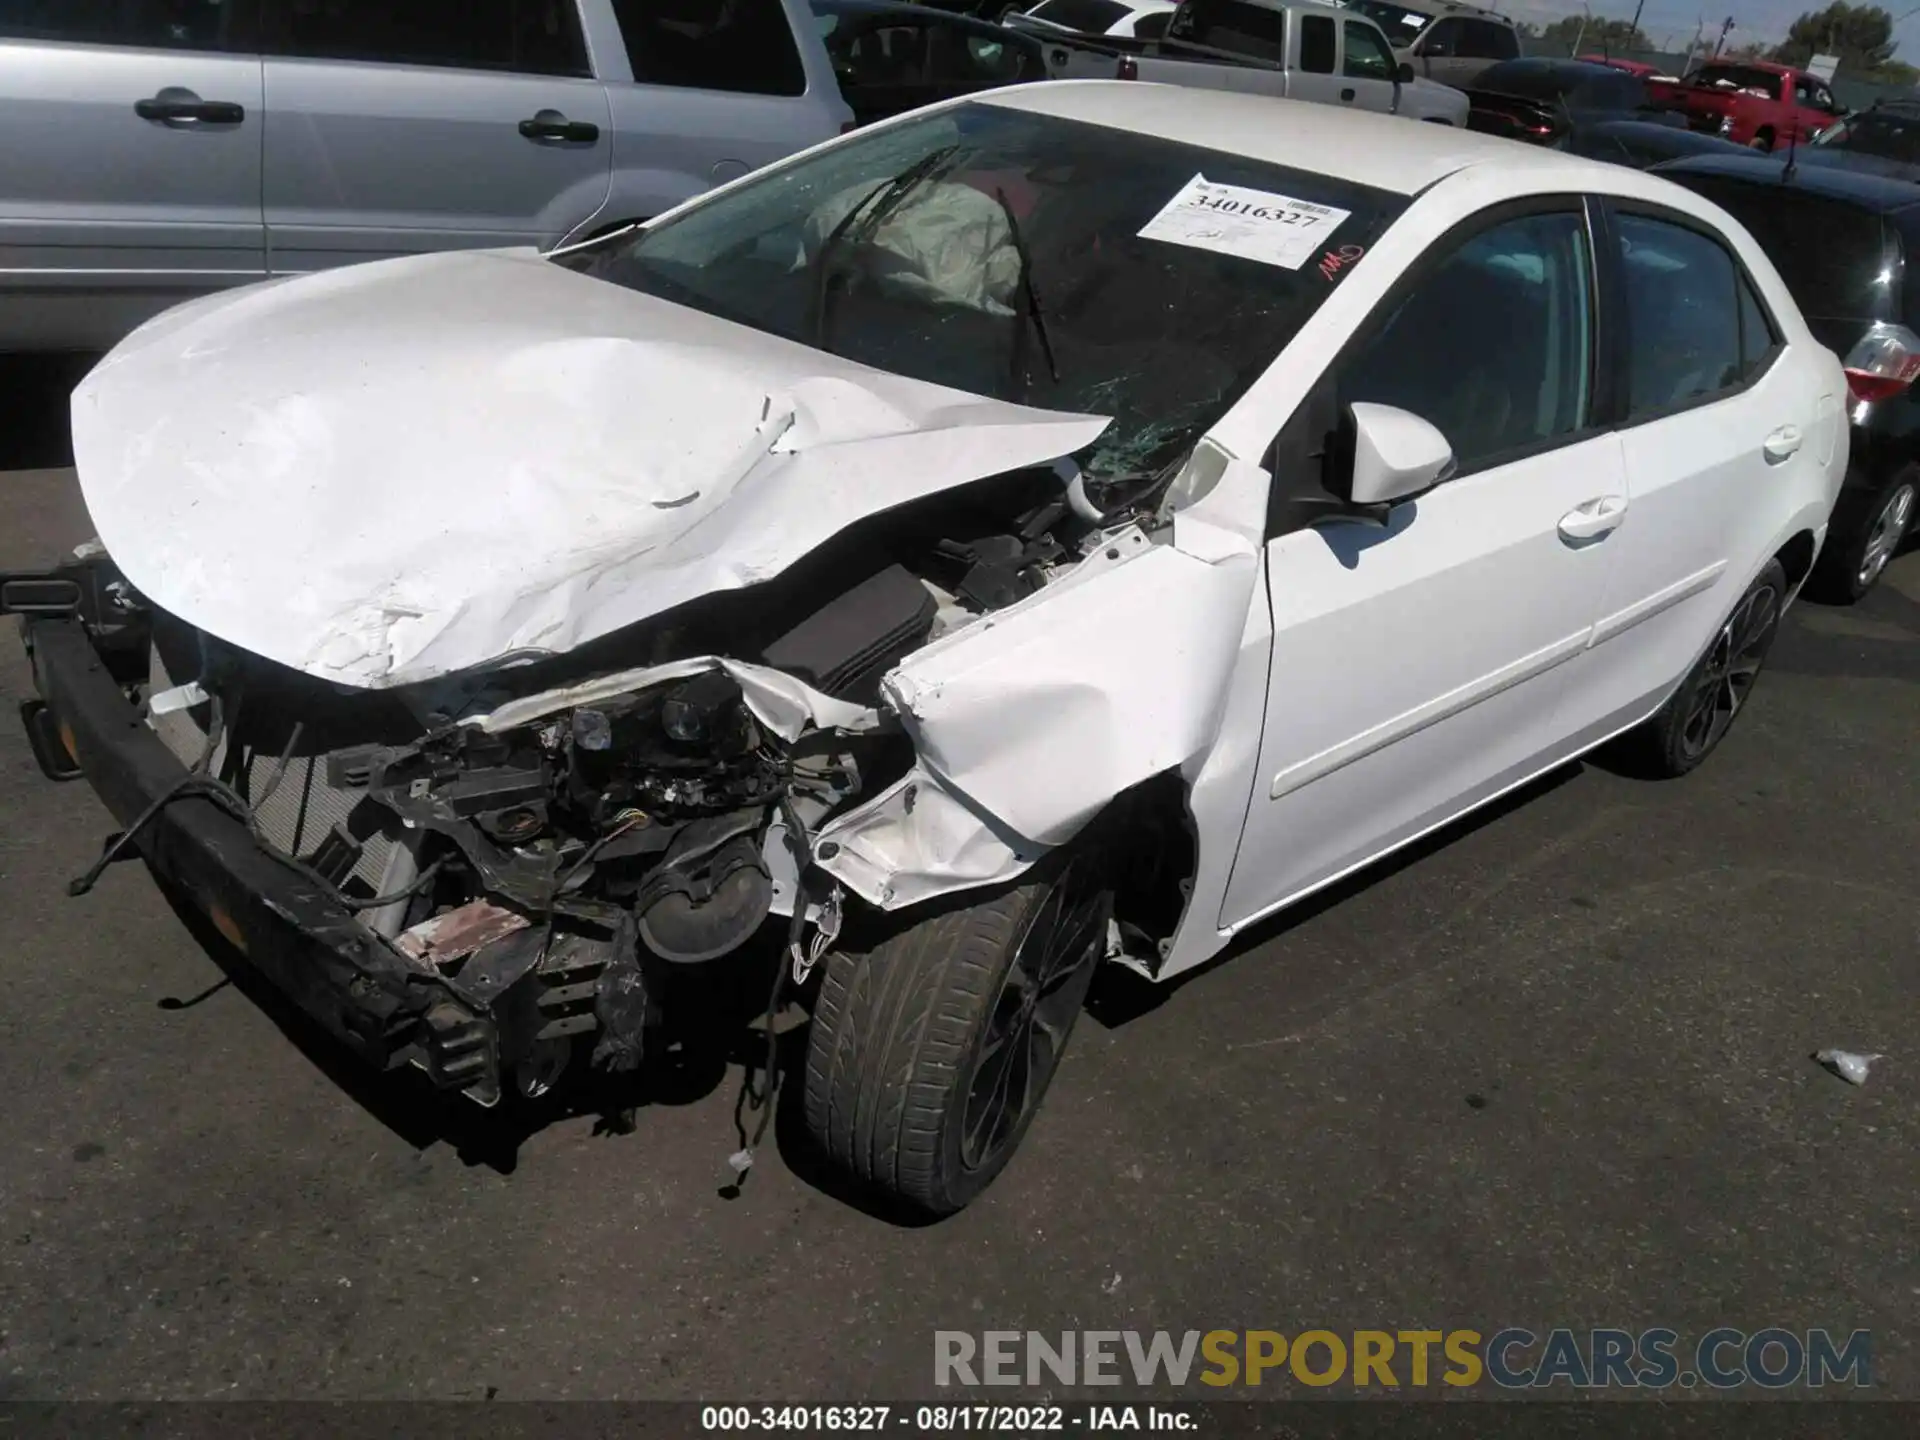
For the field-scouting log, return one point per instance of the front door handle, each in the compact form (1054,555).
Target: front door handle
(1782,444)
(1347,94)
(1594,519)
(174,106)
(552,125)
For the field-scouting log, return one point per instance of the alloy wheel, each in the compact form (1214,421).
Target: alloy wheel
(1884,537)
(1726,676)
(1026,1032)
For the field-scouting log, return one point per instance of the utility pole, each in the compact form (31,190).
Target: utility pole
(1634,28)
(1725,28)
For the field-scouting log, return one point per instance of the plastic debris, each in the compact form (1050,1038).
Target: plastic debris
(1848,1065)
(740,1161)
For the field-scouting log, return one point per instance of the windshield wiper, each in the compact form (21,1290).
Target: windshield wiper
(1034,312)
(870,212)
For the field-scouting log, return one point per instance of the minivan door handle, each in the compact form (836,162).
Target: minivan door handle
(174,106)
(1594,518)
(552,125)
(1782,444)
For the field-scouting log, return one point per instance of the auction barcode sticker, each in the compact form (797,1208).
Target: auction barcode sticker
(1253,224)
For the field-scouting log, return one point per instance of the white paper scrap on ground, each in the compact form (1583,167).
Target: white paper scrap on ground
(1848,1065)
(1253,224)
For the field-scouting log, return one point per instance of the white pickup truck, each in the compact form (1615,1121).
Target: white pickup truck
(1297,49)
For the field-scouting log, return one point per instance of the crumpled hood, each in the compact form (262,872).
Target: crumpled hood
(399,470)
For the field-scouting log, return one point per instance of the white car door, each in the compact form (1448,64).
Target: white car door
(1418,668)
(1713,411)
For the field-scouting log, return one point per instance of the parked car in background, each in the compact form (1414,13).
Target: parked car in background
(1063,526)
(1632,67)
(1751,102)
(1884,139)
(1545,101)
(1130,19)
(1443,41)
(1290,49)
(891,57)
(155,152)
(1640,143)
(1848,247)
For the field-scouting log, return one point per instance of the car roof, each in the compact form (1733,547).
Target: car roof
(1880,193)
(908,11)
(1384,152)
(1437,8)
(1551,65)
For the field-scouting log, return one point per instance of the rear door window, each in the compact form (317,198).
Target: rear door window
(1834,257)
(1319,44)
(737,45)
(531,37)
(1682,293)
(147,24)
(882,55)
(1736,79)
(1484,40)
(960,57)
(1232,25)
(1444,38)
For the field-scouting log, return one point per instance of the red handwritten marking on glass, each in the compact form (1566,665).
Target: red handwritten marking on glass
(1334,261)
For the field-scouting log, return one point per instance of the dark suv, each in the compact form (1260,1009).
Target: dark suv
(1843,241)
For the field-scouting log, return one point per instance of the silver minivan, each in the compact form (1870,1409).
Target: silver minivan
(158,149)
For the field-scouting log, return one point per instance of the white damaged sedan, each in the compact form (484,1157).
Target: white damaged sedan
(1060,527)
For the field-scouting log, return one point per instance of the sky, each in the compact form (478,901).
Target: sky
(1670,24)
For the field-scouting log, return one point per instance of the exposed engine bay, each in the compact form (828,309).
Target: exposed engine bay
(559,864)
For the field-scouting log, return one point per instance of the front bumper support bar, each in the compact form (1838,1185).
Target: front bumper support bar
(303,940)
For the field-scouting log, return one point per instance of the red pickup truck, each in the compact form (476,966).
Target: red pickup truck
(1751,102)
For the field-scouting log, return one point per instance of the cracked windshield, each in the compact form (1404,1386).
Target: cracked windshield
(1002,252)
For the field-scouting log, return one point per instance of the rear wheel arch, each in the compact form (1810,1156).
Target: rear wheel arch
(1796,558)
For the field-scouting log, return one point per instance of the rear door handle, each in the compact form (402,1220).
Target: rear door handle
(172,107)
(1594,518)
(1347,94)
(1782,444)
(552,125)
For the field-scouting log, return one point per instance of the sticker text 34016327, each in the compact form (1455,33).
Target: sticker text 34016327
(1252,224)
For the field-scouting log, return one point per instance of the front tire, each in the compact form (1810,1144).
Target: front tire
(1762,141)
(1852,564)
(1693,722)
(934,1041)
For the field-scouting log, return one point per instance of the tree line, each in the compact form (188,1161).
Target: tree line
(1861,36)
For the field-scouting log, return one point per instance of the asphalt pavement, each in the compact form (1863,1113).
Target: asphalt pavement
(1550,1069)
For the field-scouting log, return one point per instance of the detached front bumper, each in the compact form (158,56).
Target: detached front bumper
(389,1009)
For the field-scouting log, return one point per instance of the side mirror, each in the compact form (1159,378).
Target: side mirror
(1405,73)
(1396,454)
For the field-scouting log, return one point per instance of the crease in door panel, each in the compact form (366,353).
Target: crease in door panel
(1645,609)
(1432,712)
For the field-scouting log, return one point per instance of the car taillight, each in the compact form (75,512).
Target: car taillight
(1129,68)
(1884,363)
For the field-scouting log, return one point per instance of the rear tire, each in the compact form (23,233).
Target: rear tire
(1762,141)
(1693,722)
(1851,564)
(933,1041)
